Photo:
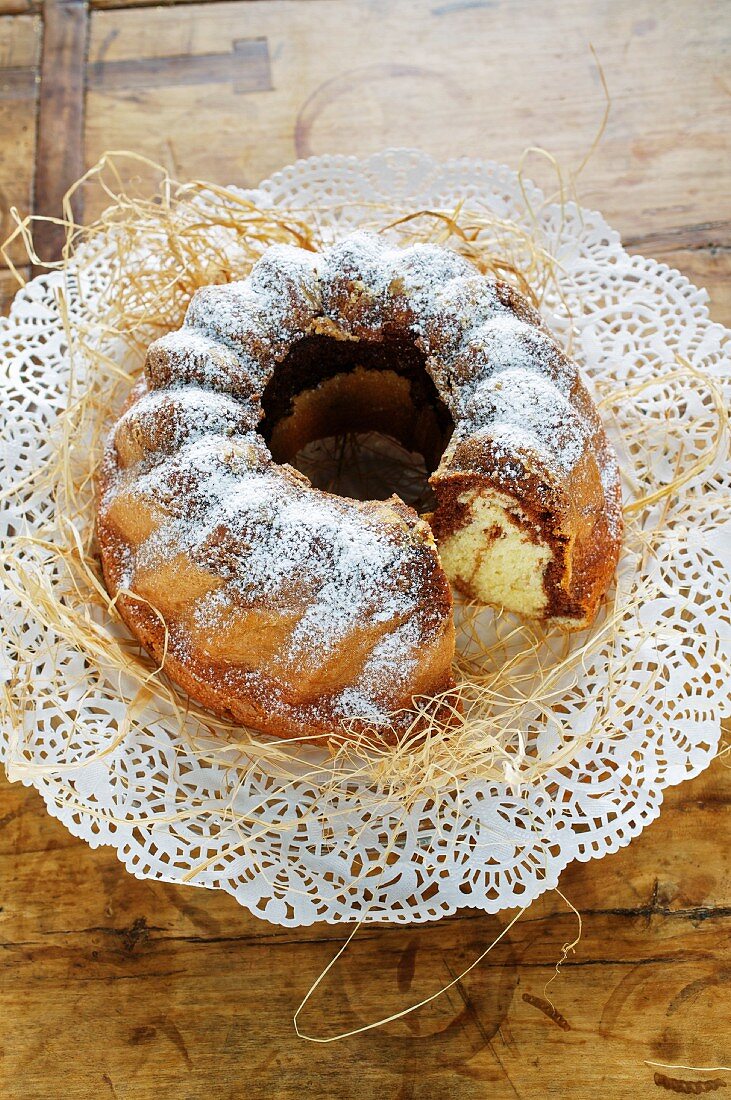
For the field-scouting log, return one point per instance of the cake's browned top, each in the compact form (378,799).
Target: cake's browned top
(499,371)
(187,450)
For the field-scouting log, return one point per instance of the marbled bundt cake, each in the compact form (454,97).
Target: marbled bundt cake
(299,612)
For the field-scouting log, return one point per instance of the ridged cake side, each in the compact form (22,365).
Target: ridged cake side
(285,608)
(528,514)
(299,612)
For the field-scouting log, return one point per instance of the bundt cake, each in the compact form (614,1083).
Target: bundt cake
(302,613)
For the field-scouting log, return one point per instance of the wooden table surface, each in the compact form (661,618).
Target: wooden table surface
(114,987)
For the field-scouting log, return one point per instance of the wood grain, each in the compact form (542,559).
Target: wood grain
(8,287)
(59,157)
(487,78)
(19,7)
(114,987)
(19,58)
(245,67)
(192,990)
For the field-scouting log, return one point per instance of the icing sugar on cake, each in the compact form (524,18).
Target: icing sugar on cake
(295,610)
(276,546)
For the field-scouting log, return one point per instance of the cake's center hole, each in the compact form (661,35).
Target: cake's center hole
(367,466)
(363,420)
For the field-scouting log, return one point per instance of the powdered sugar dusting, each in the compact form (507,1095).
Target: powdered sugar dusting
(419,273)
(280,546)
(260,317)
(466,325)
(524,411)
(471,336)
(332,568)
(393,660)
(505,342)
(455,309)
(166,419)
(189,357)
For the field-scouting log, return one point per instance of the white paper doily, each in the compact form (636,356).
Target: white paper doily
(166,810)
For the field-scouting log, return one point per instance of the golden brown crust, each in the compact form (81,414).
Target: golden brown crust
(224,689)
(232,569)
(238,672)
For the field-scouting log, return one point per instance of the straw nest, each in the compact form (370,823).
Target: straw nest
(158,247)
